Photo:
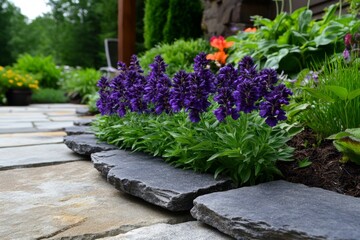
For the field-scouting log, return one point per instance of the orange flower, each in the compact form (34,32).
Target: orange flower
(250,30)
(220,43)
(219,56)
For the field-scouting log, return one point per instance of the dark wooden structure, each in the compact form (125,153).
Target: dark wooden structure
(126,29)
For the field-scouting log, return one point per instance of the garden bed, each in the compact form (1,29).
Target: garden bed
(325,171)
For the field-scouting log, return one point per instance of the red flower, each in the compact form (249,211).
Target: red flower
(220,43)
(219,56)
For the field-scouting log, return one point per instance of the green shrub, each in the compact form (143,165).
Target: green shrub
(294,41)
(183,20)
(335,99)
(154,21)
(179,55)
(43,68)
(81,83)
(49,95)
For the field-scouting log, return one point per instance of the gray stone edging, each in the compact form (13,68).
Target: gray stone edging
(154,180)
(280,210)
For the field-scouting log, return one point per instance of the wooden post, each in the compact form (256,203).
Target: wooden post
(126,29)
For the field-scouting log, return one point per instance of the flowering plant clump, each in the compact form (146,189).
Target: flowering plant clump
(150,114)
(352,46)
(10,79)
(219,43)
(235,91)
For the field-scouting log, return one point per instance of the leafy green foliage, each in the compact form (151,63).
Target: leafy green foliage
(43,68)
(154,21)
(179,55)
(92,103)
(335,100)
(354,6)
(246,149)
(294,41)
(81,83)
(11,20)
(348,143)
(304,163)
(49,95)
(183,20)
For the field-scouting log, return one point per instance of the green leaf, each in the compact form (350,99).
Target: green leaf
(341,92)
(304,163)
(304,20)
(319,95)
(218,171)
(354,132)
(338,135)
(353,94)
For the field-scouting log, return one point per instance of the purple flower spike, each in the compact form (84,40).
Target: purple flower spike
(157,88)
(179,90)
(200,84)
(226,80)
(271,107)
(134,84)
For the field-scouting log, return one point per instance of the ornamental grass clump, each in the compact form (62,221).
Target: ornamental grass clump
(234,114)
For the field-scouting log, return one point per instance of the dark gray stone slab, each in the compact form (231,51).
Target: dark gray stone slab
(83,122)
(83,111)
(156,181)
(77,130)
(86,144)
(280,210)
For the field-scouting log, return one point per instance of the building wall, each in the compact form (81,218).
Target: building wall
(226,17)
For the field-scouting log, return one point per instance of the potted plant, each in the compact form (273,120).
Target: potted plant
(17,86)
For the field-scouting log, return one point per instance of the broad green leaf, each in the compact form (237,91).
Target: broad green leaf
(304,20)
(341,92)
(319,95)
(354,132)
(353,94)
(338,135)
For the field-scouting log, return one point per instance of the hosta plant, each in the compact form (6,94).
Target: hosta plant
(348,143)
(292,42)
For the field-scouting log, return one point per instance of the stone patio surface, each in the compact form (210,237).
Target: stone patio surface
(47,191)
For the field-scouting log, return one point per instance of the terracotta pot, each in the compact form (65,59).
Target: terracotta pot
(18,97)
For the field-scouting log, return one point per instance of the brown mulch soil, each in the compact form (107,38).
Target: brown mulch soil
(325,171)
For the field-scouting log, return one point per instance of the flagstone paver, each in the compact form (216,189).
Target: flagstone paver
(191,230)
(280,210)
(155,181)
(37,155)
(77,130)
(68,201)
(25,139)
(86,144)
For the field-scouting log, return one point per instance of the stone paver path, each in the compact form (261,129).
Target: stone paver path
(49,192)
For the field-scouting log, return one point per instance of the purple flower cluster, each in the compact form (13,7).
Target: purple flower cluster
(246,90)
(235,90)
(157,88)
(200,85)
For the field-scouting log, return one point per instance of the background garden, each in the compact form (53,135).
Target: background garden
(278,100)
